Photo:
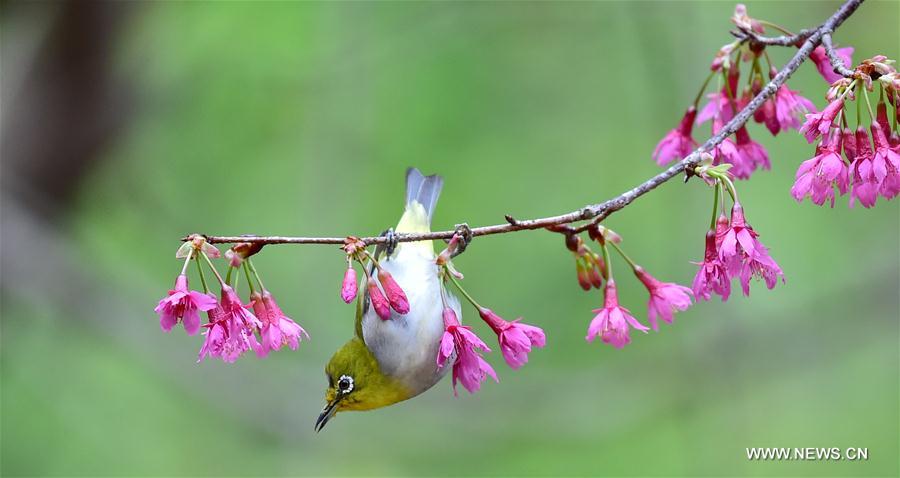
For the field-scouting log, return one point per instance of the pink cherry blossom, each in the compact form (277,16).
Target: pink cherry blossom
(277,328)
(216,333)
(378,301)
(818,176)
(744,256)
(516,339)
(612,321)
(665,297)
(789,108)
(240,325)
(395,295)
(726,152)
(823,64)
(719,106)
(469,368)
(752,155)
(678,143)
(885,163)
(182,304)
(348,286)
(712,277)
(865,185)
(817,124)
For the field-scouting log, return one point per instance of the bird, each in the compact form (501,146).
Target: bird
(389,361)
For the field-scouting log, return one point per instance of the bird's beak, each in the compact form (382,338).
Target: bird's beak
(327,412)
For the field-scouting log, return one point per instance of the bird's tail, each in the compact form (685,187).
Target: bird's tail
(422,194)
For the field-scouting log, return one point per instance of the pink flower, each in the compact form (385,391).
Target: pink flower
(885,162)
(726,152)
(818,176)
(789,108)
(612,321)
(216,333)
(348,287)
(719,106)
(819,123)
(712,276)
(239,326)
(395,295)
(823,64)
(865,184)
(678,143)
(379,301)
(665,297)
(183,304)
(744,256)
(469,368)
(752,155)
(277,328)
(516,339)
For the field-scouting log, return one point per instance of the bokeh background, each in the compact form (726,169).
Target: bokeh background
(126,125)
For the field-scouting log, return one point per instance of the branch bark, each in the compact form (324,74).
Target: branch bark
(597,212)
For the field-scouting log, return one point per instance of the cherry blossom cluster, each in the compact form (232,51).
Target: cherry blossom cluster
(461,347)
(783,111)
(233,327)
(384,293)
(612,322)
(732,248)
(855,161)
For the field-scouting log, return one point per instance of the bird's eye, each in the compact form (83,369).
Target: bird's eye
(345,384)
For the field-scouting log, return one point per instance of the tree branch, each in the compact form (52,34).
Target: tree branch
(833,57)
(598,212)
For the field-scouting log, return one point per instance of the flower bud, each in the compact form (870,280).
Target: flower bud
(348,287)
(584,279)
(379,301)
(395,294)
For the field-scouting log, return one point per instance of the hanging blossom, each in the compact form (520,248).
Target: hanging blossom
(612,321)
(231,330)
(678,143)
(818,124)
(184,305)
(712,277)
(665,297)
(743,255)
(817,177)
(823,64)
(469,368)
(277,328)
(865,184)
(885,163)
(751,154)
(515,338)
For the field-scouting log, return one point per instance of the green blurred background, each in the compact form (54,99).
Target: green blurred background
(127,125)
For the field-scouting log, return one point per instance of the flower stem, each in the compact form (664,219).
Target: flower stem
(717,190)
(187,261)
(775,26)
(624,256)
(865,94)
(703,88)
(605,250)
(202,276)
(256,274)
(729,186)
(464,293)
(249,280)
(228,275)
(211,266)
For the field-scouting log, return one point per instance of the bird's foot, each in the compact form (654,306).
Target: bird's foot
(464,234)
(389,244)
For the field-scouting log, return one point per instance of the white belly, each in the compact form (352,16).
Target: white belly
(406,346)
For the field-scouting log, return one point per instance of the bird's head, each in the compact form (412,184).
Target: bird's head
(355,382)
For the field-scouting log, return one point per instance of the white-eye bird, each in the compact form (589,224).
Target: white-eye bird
(388,361)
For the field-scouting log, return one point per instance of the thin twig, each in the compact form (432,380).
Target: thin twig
(833,57)
(784,40)
(598,212)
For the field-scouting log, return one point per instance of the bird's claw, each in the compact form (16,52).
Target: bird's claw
(389,244)
(464,233)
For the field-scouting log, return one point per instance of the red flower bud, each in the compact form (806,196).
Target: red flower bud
(348,288)
(395,294)
(379,302)
(584,279)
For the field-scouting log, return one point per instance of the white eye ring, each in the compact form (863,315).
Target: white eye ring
(349,380)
